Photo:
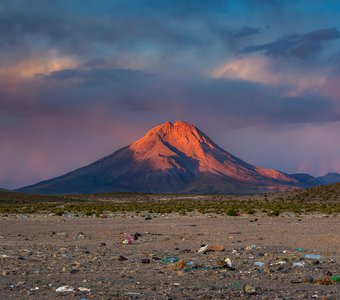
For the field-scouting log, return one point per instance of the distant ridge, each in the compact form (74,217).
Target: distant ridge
(306,180)
(329,178)
(170,158)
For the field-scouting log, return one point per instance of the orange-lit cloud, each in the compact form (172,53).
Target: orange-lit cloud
(259,69)
(26,69)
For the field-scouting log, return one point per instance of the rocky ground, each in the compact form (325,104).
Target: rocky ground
(255,257)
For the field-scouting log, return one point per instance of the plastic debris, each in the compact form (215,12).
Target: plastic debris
(65,288)
(190,264)
(335,278)
(207,248)
(178,265)
(251,247)
(259,264)
(299,249)
(313,256)
(228,262)
(83,289)
(132,293)
(203,249)
(170,259)
(298,264)
(225,264)
(68,288)
(128,240)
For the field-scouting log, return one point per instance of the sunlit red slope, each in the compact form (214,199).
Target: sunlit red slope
(170,158)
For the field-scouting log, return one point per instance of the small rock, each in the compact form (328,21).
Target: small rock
(295,281)
(136,236)
(249,289)
(216,247)
(79,236)
(308,278)
(185,251)
(145,261)
(5,273)
(122,258)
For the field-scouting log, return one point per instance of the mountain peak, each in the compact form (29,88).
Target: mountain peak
(171,157)
(169,126)
(181,135)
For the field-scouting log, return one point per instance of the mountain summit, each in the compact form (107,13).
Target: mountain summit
(170,158)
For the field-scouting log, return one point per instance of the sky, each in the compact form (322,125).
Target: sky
(80,79)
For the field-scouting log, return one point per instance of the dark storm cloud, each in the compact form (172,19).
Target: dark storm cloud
(247,104)
(98,76)
(123,24)
(301,46)
(122,92)
(245,31)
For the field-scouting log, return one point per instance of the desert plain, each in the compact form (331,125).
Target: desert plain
(74,256)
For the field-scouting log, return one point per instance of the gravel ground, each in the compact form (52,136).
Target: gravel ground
(48,257)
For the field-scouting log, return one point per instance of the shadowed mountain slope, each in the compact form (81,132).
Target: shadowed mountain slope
(329,178)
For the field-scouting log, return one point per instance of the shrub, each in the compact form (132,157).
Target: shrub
(231,212)
(274,213)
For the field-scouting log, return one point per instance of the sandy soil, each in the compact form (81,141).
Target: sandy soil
(41,253)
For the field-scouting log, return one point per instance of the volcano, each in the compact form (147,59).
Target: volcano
(170,158)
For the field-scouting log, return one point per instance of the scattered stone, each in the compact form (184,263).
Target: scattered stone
(308,278)
(136,236)
(122,258)
(295,281)
(251,248)
(79,236)
(216,247)
(145,261)
(249,289)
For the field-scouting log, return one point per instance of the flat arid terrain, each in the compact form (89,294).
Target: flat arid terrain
(41,253)
(137,251)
